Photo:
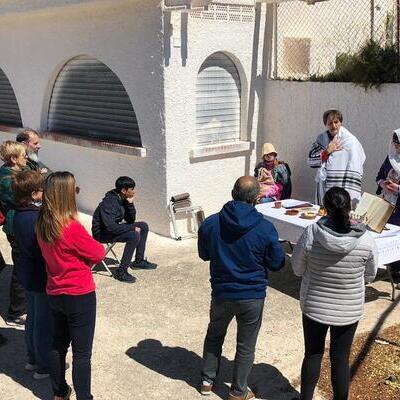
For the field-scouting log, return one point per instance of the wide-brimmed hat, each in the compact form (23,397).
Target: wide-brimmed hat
(268,148)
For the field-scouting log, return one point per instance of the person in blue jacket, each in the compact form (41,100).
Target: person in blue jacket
(241,246)
(31,271)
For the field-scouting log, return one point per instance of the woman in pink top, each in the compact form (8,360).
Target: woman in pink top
(69,251)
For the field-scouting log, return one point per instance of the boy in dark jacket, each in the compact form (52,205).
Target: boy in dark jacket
(241,246)
(114,221)
(31,271)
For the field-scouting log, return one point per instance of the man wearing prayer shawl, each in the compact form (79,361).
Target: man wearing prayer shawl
(339,157)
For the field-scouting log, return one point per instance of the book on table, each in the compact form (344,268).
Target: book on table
(373,211)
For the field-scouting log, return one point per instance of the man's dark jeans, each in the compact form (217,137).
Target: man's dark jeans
(134,240)
(74,319)
(17,292)
(248,315)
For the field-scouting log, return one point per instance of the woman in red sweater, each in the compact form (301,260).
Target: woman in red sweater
(69,251)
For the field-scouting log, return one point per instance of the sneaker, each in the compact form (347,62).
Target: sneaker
(143,264)
(66,397)
(40,375)
(30,367)
(122,275)
(248,396)
(206,388)
(18,322)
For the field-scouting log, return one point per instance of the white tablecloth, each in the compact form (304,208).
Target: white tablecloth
(291,227)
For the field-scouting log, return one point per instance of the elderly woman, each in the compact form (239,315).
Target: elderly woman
(339,157)
(335,258)
(14,156)
(388,179)
(273,176)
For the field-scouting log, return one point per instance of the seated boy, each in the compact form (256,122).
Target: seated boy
(114,221)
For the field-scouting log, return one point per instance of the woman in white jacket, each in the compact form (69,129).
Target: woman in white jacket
(335,258)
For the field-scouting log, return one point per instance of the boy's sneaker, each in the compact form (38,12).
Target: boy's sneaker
(206,388)
(66,397)
(143,264)
(30,367)
(40,375)
(248,396)
(17,322)
(122,275)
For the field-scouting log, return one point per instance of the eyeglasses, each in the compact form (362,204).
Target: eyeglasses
(77,189)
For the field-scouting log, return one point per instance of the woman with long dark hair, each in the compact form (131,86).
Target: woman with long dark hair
(335,257)
(69,251)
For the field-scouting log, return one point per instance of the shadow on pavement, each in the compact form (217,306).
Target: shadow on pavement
(181,364)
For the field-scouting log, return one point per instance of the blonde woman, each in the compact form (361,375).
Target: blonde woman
(69,251)
(14,156)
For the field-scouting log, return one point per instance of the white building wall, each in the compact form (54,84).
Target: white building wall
(293,119)
(210,179)
(124,35)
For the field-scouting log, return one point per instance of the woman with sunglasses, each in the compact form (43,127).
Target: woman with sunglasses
(69,252)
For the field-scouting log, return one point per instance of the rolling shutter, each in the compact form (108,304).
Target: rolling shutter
(89,101)
(218,101)
(9,110)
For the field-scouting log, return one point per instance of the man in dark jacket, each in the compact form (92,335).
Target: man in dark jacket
(114,221)
(241,246)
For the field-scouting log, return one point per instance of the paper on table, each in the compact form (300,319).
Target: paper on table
(291,203)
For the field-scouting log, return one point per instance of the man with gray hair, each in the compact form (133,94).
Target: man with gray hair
(30,138)
(241,246)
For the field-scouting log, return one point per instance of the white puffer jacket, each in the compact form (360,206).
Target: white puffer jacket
(335,267)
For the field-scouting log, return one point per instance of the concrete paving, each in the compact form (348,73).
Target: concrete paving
(149,335)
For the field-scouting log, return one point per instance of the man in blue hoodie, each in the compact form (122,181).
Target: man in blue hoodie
(241,246)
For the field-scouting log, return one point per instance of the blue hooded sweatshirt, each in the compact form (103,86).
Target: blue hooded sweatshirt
(241,246)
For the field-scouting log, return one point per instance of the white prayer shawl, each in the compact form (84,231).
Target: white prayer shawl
(394,173)
(343,168)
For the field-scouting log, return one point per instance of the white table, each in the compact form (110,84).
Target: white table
(291,227)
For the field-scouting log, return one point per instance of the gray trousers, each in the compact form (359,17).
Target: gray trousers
(248,315)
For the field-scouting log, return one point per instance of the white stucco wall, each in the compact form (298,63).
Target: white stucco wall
(293,118)
(124,35)
(209,180)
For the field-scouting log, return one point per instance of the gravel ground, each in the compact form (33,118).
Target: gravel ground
(149,335)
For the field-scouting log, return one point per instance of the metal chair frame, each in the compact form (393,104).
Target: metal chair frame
(109,249)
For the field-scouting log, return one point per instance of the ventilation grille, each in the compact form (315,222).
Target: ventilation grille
(89,101)
(9,110)
(218,101)
(225,12)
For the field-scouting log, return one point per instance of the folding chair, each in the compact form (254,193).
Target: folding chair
(109,249)
(181,204)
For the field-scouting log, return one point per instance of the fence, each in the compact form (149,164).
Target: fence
(310,37)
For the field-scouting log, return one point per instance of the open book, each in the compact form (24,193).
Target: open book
(373,211)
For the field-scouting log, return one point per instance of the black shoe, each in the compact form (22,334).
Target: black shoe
(143,264)
(122,275)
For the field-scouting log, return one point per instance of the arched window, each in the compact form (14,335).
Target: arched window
(9,110)
(89,101)
(218,94)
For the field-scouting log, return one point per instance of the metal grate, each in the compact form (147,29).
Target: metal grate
(89,101)
(225,12)
(9,110)
(218,101)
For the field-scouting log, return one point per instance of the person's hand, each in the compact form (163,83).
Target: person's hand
(130,199)
(334,145)
(43,170)
(137,229)
(392,187)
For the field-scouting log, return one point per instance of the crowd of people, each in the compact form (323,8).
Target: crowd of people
(53,294)
(52,291)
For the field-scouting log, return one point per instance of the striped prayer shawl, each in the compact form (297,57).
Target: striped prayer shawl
(344,168)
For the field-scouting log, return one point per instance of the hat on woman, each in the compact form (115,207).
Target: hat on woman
(268,148)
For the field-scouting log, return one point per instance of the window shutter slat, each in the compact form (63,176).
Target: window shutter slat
(9,110)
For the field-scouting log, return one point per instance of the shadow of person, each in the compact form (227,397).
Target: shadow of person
(12,361)
(181,364)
